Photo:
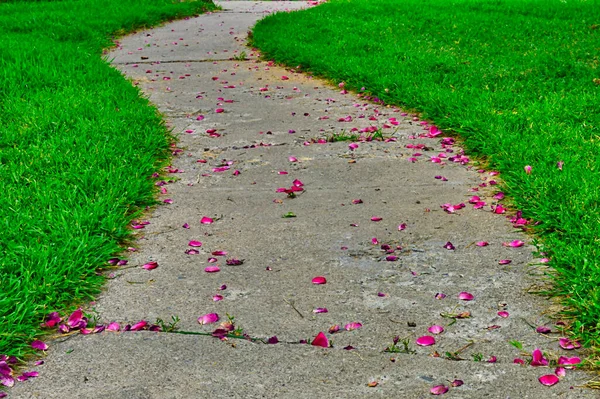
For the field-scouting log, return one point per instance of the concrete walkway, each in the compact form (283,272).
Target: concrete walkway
(230,165)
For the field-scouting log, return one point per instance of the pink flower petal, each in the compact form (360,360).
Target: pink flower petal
(219,253)
(320,340)
(499,196)
(353,326)
(75,318)
(568,361)
(150,265)
(391,258)
(439,390)
(217,298)
(528,169)
(538,359)
(548,380)
(194,243)
(334,329)
(435,329)
(449,246)
(543,330)
(519,361)
(376,219)
(425,340)
(514,244)
(402,227)
(319,280)
(293,159)
(567,344)
(208,318)
(457,383)
(504,261)
(482,243)
(114,326)
(52,320)
(39,345)
(352,146)
(7,380)
(320,310)
(206,220)
(560,372)
(466,296)
(140,325)
(219,110)
(212,269)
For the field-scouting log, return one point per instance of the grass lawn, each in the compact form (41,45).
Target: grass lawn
(77,149)
(517,80)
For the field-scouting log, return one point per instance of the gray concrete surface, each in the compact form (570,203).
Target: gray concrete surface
(271,293)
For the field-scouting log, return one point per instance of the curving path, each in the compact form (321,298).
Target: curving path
(228,167)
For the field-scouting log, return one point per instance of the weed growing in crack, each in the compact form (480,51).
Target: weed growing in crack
(403,348)
(168,326)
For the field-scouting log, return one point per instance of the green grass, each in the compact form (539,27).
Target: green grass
(77,148)
(518,80)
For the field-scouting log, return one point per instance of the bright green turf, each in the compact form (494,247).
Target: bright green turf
(514,78)
(77,148)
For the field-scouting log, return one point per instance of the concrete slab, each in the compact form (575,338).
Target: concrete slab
(269,115)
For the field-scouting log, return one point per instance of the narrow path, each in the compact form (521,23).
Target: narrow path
(245,129)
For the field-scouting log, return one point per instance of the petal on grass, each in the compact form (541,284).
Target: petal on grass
(39,345)
(75,318)
(52,320)
(567,344)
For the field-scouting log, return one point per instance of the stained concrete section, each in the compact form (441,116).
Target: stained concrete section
(228,167)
